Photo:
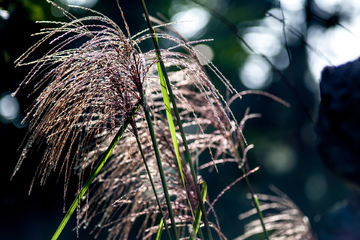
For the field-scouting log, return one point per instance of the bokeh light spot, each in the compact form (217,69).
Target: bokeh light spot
(329,5)
(315,186)
(195,19)
(262,41)
(292,5)
(56,12)
(4,14)
(83,3)
(207,52)
(334,46)
(280,159)
(9,107)
(255,73)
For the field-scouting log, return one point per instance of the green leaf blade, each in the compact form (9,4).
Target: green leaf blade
(96,172)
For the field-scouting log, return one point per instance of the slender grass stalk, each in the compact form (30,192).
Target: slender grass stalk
(202,206)
(102,161)
(164,87)
(187,152)
(161,170)
(253,196)
(172,126)
(161,72)
(173,135)
(162,222)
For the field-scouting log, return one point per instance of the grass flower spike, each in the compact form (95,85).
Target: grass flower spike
(90,85)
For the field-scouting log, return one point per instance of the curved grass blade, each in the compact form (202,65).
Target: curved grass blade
(92,177)
(171,124)
(164,87)
(159,232)
(253,196)
(198,211)
(162,66)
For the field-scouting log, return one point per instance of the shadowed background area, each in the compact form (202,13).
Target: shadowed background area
(298,37)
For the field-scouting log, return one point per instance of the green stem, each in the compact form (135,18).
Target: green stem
(102,161)
(161,170)
(153,186)
(202,206)
(253,196)
(187,153)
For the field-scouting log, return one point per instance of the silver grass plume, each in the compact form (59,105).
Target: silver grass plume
(123,193)
(285,219)
(90,88)
(85,95)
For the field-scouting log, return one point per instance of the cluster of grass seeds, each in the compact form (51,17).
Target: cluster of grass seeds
(88,85)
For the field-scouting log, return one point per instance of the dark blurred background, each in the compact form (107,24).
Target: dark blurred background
(315,33)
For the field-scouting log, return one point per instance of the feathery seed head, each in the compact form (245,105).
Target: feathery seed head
(90,80)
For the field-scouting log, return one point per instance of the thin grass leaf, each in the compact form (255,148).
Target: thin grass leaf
(253,196)
(159,232)
(198,211)
(170,120)
(163,70)
(171,123)
(96,172)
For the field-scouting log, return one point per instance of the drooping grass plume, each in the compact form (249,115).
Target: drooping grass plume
(124,186)
(285,220)
(88,84)
(90,80)
(84,90)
